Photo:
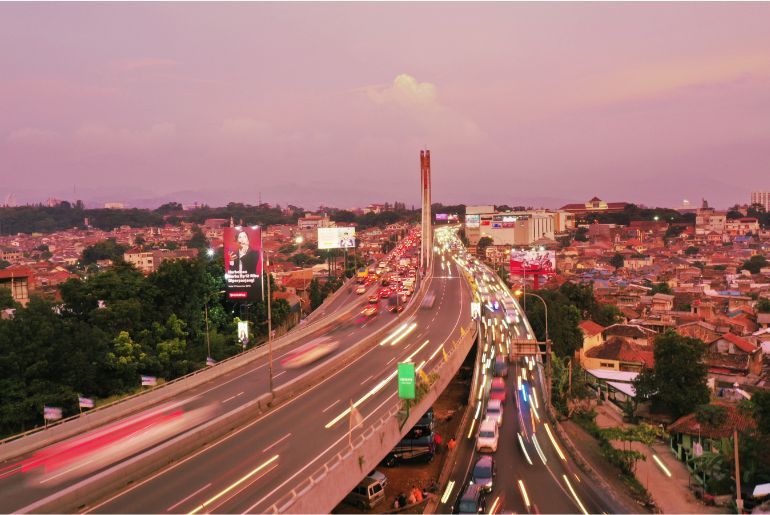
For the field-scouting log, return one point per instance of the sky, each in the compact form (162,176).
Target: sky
(330,103)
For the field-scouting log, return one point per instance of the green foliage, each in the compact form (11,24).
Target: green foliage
(107,249)
(677,383)
(4,264)
(691,250)
(760,402)
(763,306)
(711,415)
(755,263)
(484,242)
(198,240)
(581,234)
(6,299)
(607,315)
(661,288)
(674,230)
(617,261)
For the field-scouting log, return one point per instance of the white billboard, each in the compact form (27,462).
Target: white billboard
(472,220)
(530,261)
(336,237)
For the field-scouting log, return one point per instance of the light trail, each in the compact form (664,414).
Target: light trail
(473,424)
(495,504)
(376,389)
(395,333)
(524,495)
(574,494)
(234,485)
(661,465)
(404,334)
(524,449)
(447,491)
(553,441)
(539,450)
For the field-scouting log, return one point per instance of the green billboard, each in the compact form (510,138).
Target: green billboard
(406,380)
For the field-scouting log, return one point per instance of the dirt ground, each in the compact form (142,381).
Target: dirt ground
(403,477)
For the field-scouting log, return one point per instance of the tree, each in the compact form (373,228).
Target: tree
(691,250)
(581,234)
(677,383)
(107,249)
(484,242)
(661,288)
(6,299)
(607,314)
(760,402)
(4,264)
(763,306)
(198,239)
(617,261)
(755,263)
(315,293)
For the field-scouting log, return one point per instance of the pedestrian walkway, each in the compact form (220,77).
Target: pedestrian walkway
(671,494)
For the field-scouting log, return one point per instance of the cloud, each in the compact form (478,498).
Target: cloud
(27,135)
(405,91)
(147,63)
(244,127)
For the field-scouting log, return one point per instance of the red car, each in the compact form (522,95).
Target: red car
(373,299)
(497,391)
(384,293)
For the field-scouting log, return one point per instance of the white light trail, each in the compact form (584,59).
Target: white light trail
(404,334)
(447,492)
(661,465)
(524,449)
(539,450)
(553,441)
(395,333)
(524,495)
(577,499)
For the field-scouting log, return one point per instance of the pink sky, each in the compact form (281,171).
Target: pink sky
(330,103)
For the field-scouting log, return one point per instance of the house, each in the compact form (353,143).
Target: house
(20,280)
(592,334)
(763,319)
(690,437)
(731,355)
(661,303)
(619,354)
(635,333)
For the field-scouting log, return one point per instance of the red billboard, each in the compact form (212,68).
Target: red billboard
(541,262)
(243,263)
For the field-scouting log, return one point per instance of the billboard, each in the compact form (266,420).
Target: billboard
(442,217)
(472,220)
(243,263)
(336,237)
(530,261)
(453,217)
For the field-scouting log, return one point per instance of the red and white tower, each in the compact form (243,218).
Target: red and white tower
(427,222)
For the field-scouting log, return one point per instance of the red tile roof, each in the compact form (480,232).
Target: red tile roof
(740,343)
(590,328)
(689,424)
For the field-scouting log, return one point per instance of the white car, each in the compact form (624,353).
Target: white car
(495,411)
(486,440)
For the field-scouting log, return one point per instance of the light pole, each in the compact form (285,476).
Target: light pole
(269,324)
(519,293)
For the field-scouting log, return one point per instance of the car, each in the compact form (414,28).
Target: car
(484,473)
(396,308)
(497,390)
(501,366)
(361,289)
(384,293)
(310,352)
(374,299)
(379,476)
(370,310)
(495,411)
(367,494)
(487,437)
(472,500)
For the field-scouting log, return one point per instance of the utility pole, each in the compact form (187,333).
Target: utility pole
(269,326)
(738,500)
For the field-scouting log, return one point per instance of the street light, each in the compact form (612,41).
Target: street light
(519,293)
(269,324)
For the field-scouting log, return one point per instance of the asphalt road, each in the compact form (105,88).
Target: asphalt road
(22,484)
(250,468)
(534,473)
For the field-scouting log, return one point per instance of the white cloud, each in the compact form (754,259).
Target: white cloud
(30,135)
(405,91)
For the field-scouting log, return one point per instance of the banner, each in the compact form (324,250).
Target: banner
(244,262)
(85,402)
(149,381)
(51,413)
(442,217)
(472,221)
(533,262)
(336,238)
(243,331)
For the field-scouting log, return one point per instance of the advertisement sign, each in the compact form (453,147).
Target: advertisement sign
(452,217)
(533,261)
(442,217)
(243,331)
(243,263)
(406,381)
(472,220)
(475,310)
(336,238)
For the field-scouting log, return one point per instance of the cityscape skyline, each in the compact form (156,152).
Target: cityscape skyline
(570,100)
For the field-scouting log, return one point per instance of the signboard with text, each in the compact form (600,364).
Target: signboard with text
(243,263)
(406,385)
(472,220)
(530,261)
(336,238)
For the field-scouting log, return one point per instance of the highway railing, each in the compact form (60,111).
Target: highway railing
(42,436)
(336,477)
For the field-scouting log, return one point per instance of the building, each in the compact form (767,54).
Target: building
(148,261)
(20,280)
(114,205)
(708,221)
(13,256)
(595,205)
(762,198)
(520,228)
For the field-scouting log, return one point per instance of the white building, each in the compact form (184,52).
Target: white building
(762,198)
